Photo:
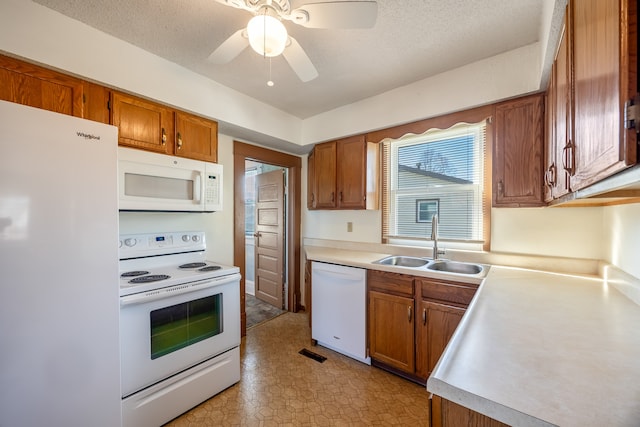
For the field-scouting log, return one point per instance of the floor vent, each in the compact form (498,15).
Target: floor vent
(311,355)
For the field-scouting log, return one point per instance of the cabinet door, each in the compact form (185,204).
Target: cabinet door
(436,325)
(142,124)
(445,413)
(391,330)
(603,72)
(325,175)
(551,169)
(351,170)
(562,112)
(518,151)
(196,137)
(96,101)
(311,179)
(27,84)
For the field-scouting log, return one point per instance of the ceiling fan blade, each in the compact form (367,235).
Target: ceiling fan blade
(299,61)
(336,14)
(229,49)
(238,4)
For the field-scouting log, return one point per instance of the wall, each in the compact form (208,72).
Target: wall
(566,232)
(621,237)
(482,82)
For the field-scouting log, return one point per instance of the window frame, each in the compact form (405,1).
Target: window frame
(445,121)
(418,201)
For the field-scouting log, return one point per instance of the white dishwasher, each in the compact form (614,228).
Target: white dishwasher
(338,309)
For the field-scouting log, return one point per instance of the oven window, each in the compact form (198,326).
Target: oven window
(181,325)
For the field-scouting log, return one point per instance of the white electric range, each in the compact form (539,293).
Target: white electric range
(179,325)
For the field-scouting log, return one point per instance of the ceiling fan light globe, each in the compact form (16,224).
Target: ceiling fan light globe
(267,35)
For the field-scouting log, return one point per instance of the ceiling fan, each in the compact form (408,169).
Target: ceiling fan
(266,34)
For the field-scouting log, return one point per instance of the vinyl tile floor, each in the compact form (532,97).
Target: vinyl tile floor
(259,311)
(280,387)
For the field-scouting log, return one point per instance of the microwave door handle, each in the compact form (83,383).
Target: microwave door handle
(197,188)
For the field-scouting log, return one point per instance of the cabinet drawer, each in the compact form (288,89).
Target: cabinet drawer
(392,283)
(459,293)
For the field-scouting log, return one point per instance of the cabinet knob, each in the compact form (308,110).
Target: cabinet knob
(179,141)
(409,313)
(424,316)
(500,187)
(164,136)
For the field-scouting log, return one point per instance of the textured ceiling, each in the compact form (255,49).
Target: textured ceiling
(412,40)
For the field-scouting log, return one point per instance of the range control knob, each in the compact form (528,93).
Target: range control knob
(130,242)
(185,238)
(196,238)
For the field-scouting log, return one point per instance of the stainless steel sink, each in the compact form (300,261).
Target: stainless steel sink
(455,267)
(403,261)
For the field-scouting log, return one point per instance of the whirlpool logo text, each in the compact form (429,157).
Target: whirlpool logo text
(88,135)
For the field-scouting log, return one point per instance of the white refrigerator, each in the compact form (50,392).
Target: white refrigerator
(59,307)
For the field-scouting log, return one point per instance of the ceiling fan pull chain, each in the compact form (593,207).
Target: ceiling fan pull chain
(270,82)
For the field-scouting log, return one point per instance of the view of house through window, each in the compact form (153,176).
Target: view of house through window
(439,172)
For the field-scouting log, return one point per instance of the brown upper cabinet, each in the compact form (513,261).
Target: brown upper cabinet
(605,77)
(38,87)
(343,174)
(142,124)
(154,127)
(196,137)
(595,75)
(323,180)
(558,163)
(518,152)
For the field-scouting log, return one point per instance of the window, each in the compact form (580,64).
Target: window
(250,201)
(438,172)
(182,325)
(426,209)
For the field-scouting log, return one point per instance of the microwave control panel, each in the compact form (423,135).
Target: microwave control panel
(212,189)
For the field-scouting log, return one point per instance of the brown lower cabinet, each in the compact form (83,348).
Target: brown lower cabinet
(445,413)
(411,320)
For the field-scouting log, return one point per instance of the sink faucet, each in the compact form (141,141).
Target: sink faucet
(434,235)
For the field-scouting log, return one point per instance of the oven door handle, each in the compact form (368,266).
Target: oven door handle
(171,291)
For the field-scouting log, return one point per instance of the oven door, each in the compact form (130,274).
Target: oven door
(165,331)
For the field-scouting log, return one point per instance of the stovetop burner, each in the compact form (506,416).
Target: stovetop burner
(134,273)
(150,278)
(193,265)
(210,268)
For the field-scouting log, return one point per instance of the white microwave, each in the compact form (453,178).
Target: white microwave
(158,182)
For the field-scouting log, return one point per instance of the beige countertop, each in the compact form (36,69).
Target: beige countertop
(537,348)
(540,349)
(365,259)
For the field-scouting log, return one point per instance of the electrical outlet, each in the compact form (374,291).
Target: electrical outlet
(349,227)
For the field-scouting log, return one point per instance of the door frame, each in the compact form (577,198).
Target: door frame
(241,153)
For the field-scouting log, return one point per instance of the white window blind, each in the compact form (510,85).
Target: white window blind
(438,172)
